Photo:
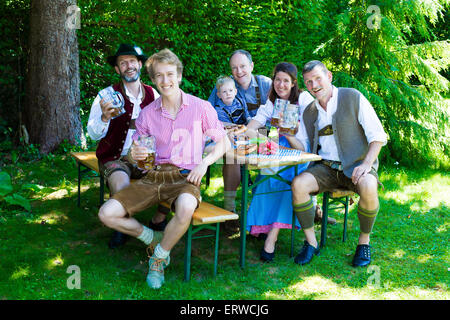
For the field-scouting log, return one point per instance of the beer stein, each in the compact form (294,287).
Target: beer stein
(289,123)
(150,143)
(278,110)
(118,103)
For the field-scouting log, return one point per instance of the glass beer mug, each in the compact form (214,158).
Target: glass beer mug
(118,103)
(149,143)
(278,110)
(289,122)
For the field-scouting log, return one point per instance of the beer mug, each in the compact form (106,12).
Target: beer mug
(278,110)
(289,122)
(150,143)
(241,139)
(108,94)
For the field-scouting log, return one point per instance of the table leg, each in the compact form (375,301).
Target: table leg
(293,223)
(243,229)
(187,254)
(292,235)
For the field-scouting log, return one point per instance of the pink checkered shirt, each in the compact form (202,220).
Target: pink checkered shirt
(180,141)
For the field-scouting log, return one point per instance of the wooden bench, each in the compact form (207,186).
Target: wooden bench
(207,216)
(87,162)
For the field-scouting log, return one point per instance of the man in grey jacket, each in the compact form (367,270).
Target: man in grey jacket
(343,128)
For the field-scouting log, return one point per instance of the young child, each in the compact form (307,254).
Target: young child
(230,108)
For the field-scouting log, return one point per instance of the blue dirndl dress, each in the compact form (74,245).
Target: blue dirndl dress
(273,210)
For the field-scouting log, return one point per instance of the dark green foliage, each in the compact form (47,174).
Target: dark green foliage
(400,67)
(8,197)
(397,67)
(13,50)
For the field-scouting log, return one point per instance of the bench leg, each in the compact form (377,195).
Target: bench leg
(323,233)
(344,236)
(102,189)
(187,254)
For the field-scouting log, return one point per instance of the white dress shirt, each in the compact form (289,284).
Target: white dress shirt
(97,129)
(367,118)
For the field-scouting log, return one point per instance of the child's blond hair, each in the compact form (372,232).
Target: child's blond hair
(222,80)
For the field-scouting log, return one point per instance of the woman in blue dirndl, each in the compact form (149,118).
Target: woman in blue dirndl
(270,212)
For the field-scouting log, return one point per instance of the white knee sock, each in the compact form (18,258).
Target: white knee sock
(146,235)
(160,252)
(229,202)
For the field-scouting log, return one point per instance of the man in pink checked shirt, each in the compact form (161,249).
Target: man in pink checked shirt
(180,124)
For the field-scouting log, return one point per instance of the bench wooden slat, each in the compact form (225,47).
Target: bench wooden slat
(207,213)
(88,159)
(338,193)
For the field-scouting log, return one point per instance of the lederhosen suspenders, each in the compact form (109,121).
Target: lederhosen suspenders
(253,106)
(228,112)
(325,131)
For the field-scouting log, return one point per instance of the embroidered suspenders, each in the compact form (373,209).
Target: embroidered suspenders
(253,106)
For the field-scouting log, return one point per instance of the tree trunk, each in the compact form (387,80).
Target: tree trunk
(51,111)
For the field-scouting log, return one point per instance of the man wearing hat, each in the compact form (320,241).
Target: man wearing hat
(115,134)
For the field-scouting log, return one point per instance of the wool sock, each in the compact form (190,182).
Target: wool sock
(229,200)
(160,252)
(305,213)
(367,219)
(146,236)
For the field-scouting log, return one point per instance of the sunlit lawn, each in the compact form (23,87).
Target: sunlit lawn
(410,248)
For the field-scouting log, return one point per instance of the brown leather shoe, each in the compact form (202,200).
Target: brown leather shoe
(318,217)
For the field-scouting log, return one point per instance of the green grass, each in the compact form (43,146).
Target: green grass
(410,247)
